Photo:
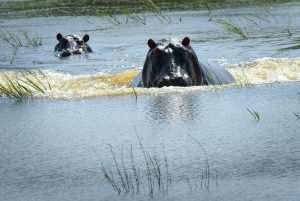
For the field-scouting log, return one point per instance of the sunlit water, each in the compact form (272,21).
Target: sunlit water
(54,149)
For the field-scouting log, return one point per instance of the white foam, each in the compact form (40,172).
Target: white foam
(67,86)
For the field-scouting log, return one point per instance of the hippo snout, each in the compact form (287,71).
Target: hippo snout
(174,81)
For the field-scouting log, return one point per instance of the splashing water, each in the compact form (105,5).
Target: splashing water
(67,86)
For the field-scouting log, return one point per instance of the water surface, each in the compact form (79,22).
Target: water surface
(53,146)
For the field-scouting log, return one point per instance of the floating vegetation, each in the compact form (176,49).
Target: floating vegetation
(232,27)
(254,113)
(20,86)
(297,114)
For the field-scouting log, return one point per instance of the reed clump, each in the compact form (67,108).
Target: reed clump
(128,178)
(153,176)
(16,41)
(22,85)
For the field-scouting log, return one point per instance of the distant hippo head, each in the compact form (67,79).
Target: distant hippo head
(72,44)
(171,63)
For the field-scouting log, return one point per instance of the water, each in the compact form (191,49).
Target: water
(53,150)
(53,146)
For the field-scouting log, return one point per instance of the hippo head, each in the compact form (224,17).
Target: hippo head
(171,63)
(72,44)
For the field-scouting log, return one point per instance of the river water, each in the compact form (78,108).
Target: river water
(203,141)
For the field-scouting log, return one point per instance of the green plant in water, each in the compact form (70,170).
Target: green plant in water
(127,178)
(21,86)
(10,38)
(297,114)
(254,113)
(134,91)
(15,41)
(232,27)
(32,41)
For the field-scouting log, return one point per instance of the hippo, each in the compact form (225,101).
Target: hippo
(170,62)
(72,44)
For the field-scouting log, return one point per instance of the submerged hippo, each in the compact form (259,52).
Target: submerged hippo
(170,62)
(72,44)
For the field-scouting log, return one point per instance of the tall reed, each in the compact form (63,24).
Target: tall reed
(20,86)
(232,27)
(128,179)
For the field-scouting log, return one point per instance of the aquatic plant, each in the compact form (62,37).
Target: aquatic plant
(242,79)
(32,41)
(134,91)
(232,27)
(206,175)
(297,114)
(16,41)
(20,86)
(254,113)
(11,38)
(129,179)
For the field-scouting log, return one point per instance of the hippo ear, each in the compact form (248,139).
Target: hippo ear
(186,41)
(86,38)
(59,36)
(151,44)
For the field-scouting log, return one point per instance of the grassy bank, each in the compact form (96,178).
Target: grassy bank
(34,8)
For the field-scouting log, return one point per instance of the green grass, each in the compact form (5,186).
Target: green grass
(32,41)
(232,27)
(17,41)
(254,113)
(134,91)
(20,86)
(11,38)
(34,8)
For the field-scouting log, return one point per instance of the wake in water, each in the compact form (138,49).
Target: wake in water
(67,86)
